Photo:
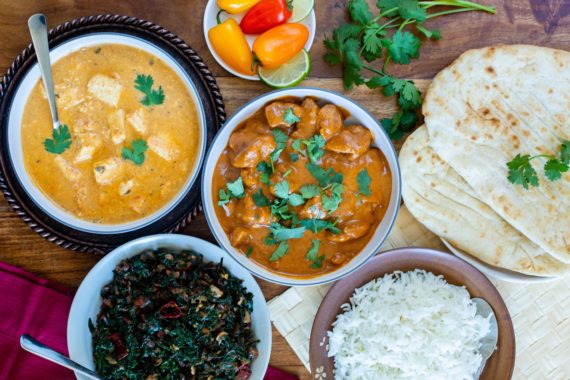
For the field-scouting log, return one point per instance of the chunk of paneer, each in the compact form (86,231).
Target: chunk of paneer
(313,209)
(108,171)
(126,187)
(70,172)
(254,152)
(239,236)
(250,177)
(138,203)
(89,143)
(350,231)
(68,94)
(116,121)
(307,127)
(329,120)
(252,215)
(138,122)
(275,113)
(164,146)
(353,139)
(105,88)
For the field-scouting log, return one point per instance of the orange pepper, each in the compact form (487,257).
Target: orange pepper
(280,44)
(229,42)
(236,6)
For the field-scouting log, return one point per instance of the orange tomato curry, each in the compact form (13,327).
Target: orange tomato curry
(298,191)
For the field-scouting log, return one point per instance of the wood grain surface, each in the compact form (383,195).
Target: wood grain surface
(541,22)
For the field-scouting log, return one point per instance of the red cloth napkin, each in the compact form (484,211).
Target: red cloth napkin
(38,307)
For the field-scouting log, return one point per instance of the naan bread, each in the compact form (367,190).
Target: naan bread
(442,201)
(492,104)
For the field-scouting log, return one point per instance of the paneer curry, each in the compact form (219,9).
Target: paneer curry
(298,190)
(129,140)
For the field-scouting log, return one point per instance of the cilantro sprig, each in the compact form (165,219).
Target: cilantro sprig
(235,189)
(313,255)
(521,171)
(60,141)
(136,153)
(370,42)
(152,97)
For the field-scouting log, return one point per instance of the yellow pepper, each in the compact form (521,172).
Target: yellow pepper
(229,42)
(236,6)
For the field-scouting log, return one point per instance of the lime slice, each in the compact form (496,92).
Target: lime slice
(301,9)
(288,74)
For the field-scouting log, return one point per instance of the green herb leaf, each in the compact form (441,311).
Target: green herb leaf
(434,34)
(280,137)
(290,118)
(236,188)
(296,145)
(324,178)
(565,152)
(363,180)
(282,189)
(136,153)
(144,84)
(296,200)
(294,157)
(281,233)
(280,251)
(359,11)
(265,171)
(224,197)
(260,199)
(554,168)
(60,141)
(403,46)
(521,171)
(313,255)
(330,203)
(318,225)
(310,191)
(315,147)
(280,209)
(248,252)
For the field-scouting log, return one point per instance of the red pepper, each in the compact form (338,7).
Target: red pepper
(265,15)
(170,311)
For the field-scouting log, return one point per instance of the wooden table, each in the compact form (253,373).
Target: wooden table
(541,22)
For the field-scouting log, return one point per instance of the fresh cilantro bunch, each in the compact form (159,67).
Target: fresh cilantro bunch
(521,171)
(60,141)
(152,97)
(370,42)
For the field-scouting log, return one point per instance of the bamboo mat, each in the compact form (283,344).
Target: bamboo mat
(540,312)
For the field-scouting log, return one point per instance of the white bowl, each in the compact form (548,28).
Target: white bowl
(358,115)
(87,300)
(210,21)
(15,136)
(496,272)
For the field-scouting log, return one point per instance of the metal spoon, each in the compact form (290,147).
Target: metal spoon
(30,344)
(38,29)
(489,342)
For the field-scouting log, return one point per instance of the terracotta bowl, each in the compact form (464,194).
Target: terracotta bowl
(456,271)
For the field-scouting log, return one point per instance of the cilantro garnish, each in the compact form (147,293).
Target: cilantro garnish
(330,203)
(224,196)
(522,173)
(236,188)
(280,209)
(248,252)
(260,199)
(282,189)
(281,233)
(310,191)
(318,225)
(296,200)
(315,147)
(324,177)
(368,38)
(144,84)
(281,140)
(296,145)
(363,180)
(294,157)
(136,153)
(280,251)
(265,171)
(289,117)
(60,141)
(313,255)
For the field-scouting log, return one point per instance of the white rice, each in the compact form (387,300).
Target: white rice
(411,325)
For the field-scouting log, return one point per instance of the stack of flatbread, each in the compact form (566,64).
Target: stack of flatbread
(480,112)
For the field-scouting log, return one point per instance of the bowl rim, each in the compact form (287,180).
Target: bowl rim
(61,51)
(310,22)
(209,95)
(254,267)
(77,318)
(421,257)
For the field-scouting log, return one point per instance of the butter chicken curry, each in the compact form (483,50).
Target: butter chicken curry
(298,191)
(130,136)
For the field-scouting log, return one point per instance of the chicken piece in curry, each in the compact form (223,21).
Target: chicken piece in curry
(298,191)
(130,138)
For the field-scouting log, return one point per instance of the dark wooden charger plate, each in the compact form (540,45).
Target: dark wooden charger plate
(209,95)
(500,365)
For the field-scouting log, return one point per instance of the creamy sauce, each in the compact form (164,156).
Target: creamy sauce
(97,99)
(357,216)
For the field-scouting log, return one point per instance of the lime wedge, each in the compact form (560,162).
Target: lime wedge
(301,9)
(288,74)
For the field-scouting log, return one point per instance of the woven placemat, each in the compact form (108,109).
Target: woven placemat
(540,312)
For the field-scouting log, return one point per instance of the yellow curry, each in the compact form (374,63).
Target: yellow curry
(130,137)
(298,191)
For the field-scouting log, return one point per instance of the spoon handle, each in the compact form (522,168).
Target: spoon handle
(30,344)
(38,29)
